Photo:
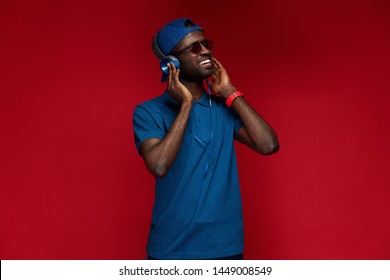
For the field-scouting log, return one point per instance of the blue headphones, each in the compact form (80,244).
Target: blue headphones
(164,59)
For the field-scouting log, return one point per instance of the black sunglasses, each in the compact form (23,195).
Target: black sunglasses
(196,47)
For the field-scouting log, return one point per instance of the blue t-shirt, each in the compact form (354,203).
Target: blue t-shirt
(197,210)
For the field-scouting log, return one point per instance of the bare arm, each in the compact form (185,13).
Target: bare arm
(159,155)
(255,133)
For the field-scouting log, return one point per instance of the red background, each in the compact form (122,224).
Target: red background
(72,184)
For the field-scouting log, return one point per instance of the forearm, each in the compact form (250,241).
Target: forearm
(262,137)
(160,157)
(256,133)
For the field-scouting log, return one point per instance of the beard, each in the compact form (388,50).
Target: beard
(195,74)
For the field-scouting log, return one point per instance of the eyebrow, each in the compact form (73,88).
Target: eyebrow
(179,47)
(185,48)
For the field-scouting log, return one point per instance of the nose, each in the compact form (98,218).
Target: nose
(205,50)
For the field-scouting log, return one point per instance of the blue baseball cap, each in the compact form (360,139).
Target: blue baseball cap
(170,35)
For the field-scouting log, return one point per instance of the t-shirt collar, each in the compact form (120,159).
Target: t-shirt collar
(203,101)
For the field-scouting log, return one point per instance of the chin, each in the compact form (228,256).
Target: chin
(208,73)
(197,75)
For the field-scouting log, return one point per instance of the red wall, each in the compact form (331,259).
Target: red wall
(72,184)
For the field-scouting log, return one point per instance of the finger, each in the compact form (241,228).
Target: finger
(169,74)
(177,76)
(172,74)
(216,72)
(217,69)
(174,69)
(217,63)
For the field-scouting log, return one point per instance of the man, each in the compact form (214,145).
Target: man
(185,137)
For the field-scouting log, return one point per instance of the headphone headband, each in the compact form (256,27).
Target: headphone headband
(157,51)
(164,59)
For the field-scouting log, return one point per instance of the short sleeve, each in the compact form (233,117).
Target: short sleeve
(146,126)
(237,125)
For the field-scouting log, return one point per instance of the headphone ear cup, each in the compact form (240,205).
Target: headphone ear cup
(169,59)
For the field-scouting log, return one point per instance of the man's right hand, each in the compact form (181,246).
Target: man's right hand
(176,88)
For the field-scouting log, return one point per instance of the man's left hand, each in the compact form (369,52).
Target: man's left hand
(220,83)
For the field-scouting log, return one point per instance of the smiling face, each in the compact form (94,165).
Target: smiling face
(195,67)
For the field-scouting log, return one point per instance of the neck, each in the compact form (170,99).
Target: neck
(196,89)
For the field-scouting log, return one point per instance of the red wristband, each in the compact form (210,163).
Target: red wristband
(232,97)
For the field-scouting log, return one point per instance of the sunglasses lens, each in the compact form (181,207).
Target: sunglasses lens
(196,48)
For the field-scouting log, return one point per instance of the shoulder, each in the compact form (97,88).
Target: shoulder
(151,103)
(157,105)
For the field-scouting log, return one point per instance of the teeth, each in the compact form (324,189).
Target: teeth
(205,62)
